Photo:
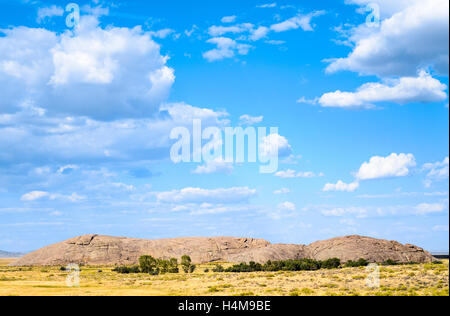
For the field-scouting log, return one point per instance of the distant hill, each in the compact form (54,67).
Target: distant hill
(104,250)
(5,254)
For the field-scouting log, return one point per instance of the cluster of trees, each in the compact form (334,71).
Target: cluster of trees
(298,265)
(284,265)
(153,266)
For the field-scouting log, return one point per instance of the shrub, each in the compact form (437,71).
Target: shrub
(187,265)
(356,264)
(332,263)
(390,262)
(127,270)
(218,268)
(149,265)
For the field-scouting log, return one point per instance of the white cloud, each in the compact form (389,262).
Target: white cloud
(228,19)
(274,144)
(359,212)
(395,165)
(259,33)
(49,12)
(38,195)
(299,21)
(387,50)
(437,171)
(250,120)
(27,137)
(423,89)
(291,174)
(267,5)
(122,67)
(341,186)
(426,208)
(217,31)
(287,206)
(162,33)
(215,166)
(440,228)
(198,195)
(33,196)
(282,191)
(226,48)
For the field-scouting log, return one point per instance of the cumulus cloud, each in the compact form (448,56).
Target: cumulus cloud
(275,144)
(214,166)
(386,51)
(437,171)
(341,186)
(299,21)
(121,67)
(198,195)
(423,88)
(31,135)
(226,48)
(395,165)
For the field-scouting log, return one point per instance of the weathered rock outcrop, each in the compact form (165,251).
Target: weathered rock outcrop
(105,250)
(373,250)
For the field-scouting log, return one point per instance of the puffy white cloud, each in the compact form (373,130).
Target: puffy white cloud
(395,165)
(426,208)
(291,174)
(299,21)
(198,195)
(415,36)
(341,186)
(62,73)
(215,166)
(274,144)
(423,88)
(49,12)
(226,48)
(250,120)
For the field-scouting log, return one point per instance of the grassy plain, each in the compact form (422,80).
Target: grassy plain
(422,279)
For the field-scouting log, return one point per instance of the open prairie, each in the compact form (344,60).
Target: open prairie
(421,279)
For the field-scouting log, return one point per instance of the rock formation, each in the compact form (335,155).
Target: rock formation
(104,250)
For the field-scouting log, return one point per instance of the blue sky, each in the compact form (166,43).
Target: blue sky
(86,114)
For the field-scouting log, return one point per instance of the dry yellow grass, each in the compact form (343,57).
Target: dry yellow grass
(423,279)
